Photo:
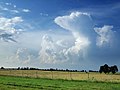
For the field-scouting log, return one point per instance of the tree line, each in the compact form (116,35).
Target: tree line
(107,69)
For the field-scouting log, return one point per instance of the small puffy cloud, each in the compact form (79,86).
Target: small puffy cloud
(16,19)
(14,11)
(5,9)
(26,10)
(14,6)
(43,14)
(8,3)
(105,35)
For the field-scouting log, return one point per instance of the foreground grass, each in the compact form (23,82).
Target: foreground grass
(22,83)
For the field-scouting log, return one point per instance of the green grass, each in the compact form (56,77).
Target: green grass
(23,83)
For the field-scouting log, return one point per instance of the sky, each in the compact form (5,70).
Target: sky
(64,34)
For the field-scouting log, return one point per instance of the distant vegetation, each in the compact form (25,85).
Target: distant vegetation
(51,69)
(108,69)
(63,74)
(105,68)
(27,78)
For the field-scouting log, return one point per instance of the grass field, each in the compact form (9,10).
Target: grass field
(25,83)
(63,75)
(57,80)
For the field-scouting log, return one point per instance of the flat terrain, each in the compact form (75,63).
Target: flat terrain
(63,75)
(25,83)
(57,80)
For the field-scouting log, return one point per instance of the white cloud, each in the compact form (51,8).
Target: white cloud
(11,11)
(43,14)
(17,19)
(56,52)
(62,43)
(14,11)
(22,55)
(9,23)
(5,9)
(79,24)
(51,53)
(7,28)
(105,35)
(26,10)
(8,3)
(14,6)
(47,50)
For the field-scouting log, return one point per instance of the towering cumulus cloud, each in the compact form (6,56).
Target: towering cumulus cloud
(80,25)
(47,51)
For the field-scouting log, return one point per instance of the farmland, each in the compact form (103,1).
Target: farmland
(57,80)
(94,76)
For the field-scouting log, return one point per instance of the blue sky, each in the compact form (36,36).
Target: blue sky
(73,34)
